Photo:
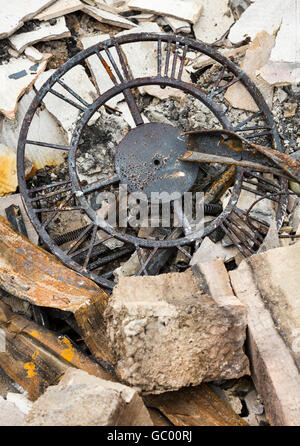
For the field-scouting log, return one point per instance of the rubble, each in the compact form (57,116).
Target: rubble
(108,5)
(35,55)
(108,17)
(184,321)
(290,109)
(210,30)
(195,406)
(274,357)
(262,15)
(66,114)
(10,415)
(175,313)
(12,17)
(100,75)
(20,401)
(17,76)
(280,73)
(178,26)
(8,170)
(255,57)
(43,32)
(209,251)
(44,127)
(283,66)
(146,63)
(203,61)
(124,109)
(271,240)
(255,408)
(59,9)
(81,399)
(287,48)
(189,10)
(15,199)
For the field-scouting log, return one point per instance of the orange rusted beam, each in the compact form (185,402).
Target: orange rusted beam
(32,274)
(227,147)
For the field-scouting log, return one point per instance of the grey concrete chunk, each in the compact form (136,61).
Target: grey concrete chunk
(176,330)
(10,415)
(81,399)
(268,284)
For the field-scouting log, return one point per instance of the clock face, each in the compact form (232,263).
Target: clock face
(117,193)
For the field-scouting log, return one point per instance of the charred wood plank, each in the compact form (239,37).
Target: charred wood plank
(32,274)
(194,406)
(36,358)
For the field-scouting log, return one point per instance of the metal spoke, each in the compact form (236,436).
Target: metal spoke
(235,241)
(141,260)
(243,230)
(55,212)
(110,258)
(174,63)
(107,68)
(66,209)
(51,194)
(100,184)
(262,194)
(213,93)
(122,62)
(47,144)
(149,258)
(241,215)
(186,253)
(133,108)
(166,72)
(73,93)
(69,101)
(257,127)
(243,123)
(159,57)
(48,186)
(91,245)
(183,57)
(115,66)
(98,243)
(257,135)
(219,78)
(265,180)
(82,237)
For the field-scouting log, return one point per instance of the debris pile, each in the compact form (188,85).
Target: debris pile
(149,324)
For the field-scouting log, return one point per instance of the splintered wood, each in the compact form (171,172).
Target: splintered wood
(32,274)
(196,406)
